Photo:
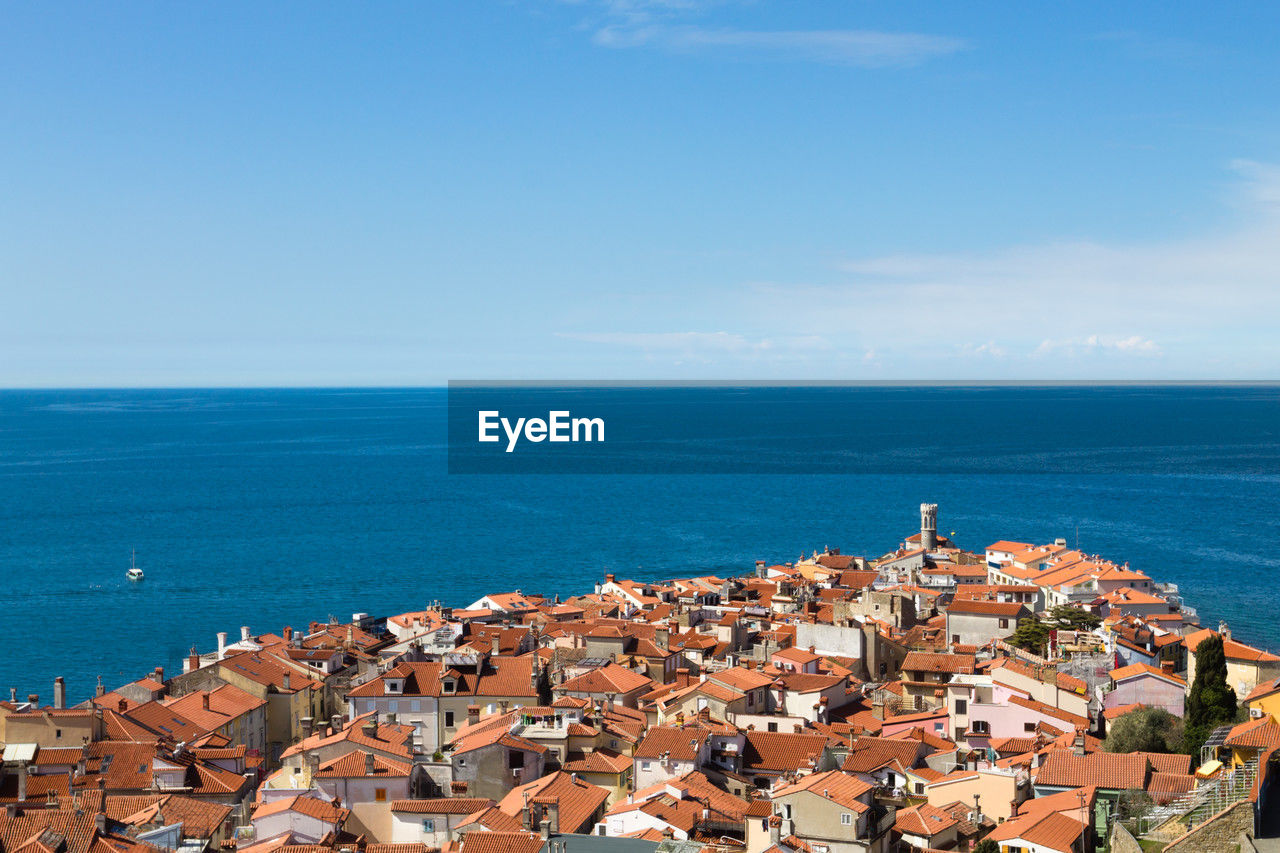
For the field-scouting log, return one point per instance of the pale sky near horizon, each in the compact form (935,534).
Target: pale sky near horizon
(406,193)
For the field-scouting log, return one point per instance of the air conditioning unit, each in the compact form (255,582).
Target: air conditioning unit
(1255,713)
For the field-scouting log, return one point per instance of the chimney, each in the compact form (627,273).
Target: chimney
(335,723)
(553,812)
(288,633)
(59,693)
(33,699)
(775,830)
(368,764)
(306,723)
(99,690)
(370,728)
(22,782)
(122,705)
(193,660)
(159,674)
(222,644)
(495,643)
(473,714)
(100,823)
(204,700)
(544,828)
(13,695)
(284,682)
(244,633)
(1077,747)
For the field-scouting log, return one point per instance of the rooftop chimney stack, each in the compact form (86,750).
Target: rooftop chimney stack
(222,644)
(59,693)
(99,690)
(244,633)
(193,660)
(368,764)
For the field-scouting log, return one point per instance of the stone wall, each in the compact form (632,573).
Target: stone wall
(1220,834)
(1122,841)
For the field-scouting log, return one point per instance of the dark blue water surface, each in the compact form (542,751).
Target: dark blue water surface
(274,507)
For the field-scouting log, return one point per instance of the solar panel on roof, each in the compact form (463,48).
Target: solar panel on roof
(1217,737)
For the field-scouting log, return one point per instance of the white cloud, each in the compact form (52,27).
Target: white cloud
(669,25)
(1094,344)
(861,48)
(707,346)
(1198,308)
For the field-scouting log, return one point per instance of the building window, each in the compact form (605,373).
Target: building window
(846,819)
(644,765)
(1028,727)
(919,787)
(1004,623)
(380,795)
(448,719)
(773,727)
(962,706)
(980,727)
(955,638)
(428,825)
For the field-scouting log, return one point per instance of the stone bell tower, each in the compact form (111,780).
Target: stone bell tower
(928,526)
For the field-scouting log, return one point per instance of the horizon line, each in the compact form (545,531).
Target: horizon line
(675,383)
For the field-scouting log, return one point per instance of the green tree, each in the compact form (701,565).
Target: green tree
(986,845)
(1211,701)
(1032,635)
(1074,618)
(1145,730)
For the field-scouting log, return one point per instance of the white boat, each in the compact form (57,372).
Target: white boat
(134,573)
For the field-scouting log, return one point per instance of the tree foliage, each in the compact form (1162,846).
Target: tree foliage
(1145,730)
(1211,701)
(1032,635)
(986,845)
(1074,618)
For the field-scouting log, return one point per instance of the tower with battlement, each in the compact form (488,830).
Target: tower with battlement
(928,526)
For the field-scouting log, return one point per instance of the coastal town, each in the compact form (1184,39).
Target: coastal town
(1026,696)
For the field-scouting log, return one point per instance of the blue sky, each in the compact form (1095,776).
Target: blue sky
(335,194)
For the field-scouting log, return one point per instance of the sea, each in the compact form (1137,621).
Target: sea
(273,507)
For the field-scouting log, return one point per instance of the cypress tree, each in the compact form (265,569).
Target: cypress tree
(1211,701)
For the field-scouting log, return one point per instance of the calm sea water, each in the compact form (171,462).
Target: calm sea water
(273,507)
